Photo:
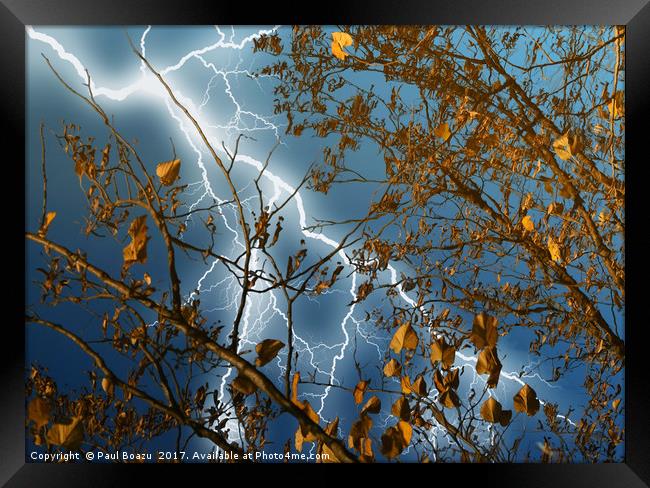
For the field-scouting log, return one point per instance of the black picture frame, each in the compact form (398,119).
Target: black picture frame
(635,14)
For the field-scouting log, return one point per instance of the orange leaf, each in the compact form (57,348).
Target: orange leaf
(526,401)
(339,41)
(359,390)
(168,171)
(404,338)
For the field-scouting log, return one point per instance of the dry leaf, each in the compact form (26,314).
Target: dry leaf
(298,439)
(405,383)
(447,386)
(442,131)
(401,409)
(373,405)
(359,390)
(616,105)
(562,147)
(488,363)
(367,455)
(49,217)
(528,223)
(168,171)
(339,41)
(267,350)
(419,387)
(313,415)
(406,431)
(554,250)
(108,386)
(404,338)
(396,439)
(484,331)
(294,390)
(442,352)
(68,435)
(327,455)
(392,368)
(39,410)
(567,146)
(506,416)
(136,251)
(450,380)
(449,399)
(491,411)
(526,401)
(359,431)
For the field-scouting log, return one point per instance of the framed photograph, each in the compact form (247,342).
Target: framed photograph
(404,234)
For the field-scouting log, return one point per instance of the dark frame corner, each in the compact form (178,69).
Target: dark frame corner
(635,14)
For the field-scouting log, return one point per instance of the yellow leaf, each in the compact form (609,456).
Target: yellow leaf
(168,171)
(405,383)
(404,338)
(442,131)
(528,223)
(339,41)
(147,278)
(49,217)
(359,390)
(136,251)
(108,386)
(484,331)
(373,405)
(611,107)
(603,217)
(565,147)
(616,403)
(616,105)
(554,250)
(443,352)
(526,401)
(69,435)
(39,411)
(267,350)
(392,368)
